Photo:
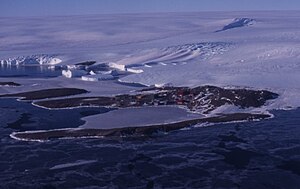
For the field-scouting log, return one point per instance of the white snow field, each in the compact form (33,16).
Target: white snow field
(259,50)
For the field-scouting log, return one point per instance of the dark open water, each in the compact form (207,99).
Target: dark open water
(263,154)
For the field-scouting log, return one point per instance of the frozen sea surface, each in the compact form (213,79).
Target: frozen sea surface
(235,155)
(131,117)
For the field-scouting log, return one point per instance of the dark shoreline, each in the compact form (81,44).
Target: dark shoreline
(9,84)
(132,131)
(46,93)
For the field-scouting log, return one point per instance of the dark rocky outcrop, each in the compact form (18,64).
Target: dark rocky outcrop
(203,99)
(86,63)
(46,93)
(237,23)
(12,84)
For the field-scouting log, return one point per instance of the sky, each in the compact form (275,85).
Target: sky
(81,7)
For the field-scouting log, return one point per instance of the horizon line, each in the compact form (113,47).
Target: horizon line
(150,12)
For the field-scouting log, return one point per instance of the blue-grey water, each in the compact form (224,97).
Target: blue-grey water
(263,154)
(28,71)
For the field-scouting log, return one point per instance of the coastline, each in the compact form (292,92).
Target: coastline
(142,131)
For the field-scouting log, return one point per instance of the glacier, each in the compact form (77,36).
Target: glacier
(42,59)
(254,49)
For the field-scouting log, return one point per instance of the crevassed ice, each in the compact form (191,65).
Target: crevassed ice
(31,60)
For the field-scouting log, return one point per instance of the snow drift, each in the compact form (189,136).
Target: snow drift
(179,53)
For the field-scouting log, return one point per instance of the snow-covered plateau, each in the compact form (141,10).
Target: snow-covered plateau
(257,50)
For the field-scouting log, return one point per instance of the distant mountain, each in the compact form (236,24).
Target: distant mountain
(237,23)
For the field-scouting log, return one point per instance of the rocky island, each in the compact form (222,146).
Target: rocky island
(202,99)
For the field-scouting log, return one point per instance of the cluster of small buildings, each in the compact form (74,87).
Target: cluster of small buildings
(176,96)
